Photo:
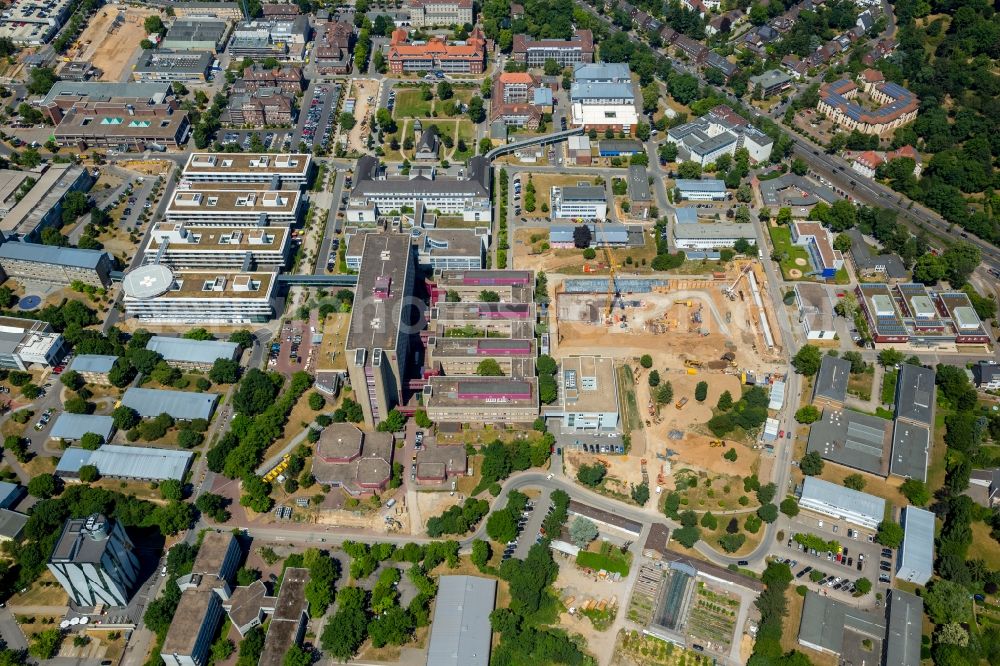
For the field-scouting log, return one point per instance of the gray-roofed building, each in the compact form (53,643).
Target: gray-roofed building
(770,82)
(870,265)
(619,147)
(195,34)
(709,189)
(915,394)
(639,194)
(602,72)
(984,487)
(192,354)
(795,192)
(71,427)
(55,265)
(852,439)
(27,342)
(288,622)
(915,563)
(831,626)
(42,205)
(11,524)
(10,494)
(460,632)
(902,641)
(94,561)
(165,65)
(842,503)
(140,463)
(376,193)
(428,144)
(616,235)
(815,311)
(588,202)
(711,235)
(831,381)
(986,375)
(93,367)
(911,447)
(181,405)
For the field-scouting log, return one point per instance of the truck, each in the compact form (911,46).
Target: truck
(680,403)
(690,363)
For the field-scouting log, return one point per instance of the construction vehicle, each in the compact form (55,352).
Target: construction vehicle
(680,403)
(684,303)
(691,363)
(278,469)
(716,443)
(731,290)
(729,356)
(692,371)
(602,461)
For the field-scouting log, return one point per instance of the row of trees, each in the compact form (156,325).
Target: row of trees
(458,519)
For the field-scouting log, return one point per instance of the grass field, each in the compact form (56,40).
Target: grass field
(861,384)
(609,559)
(889,386)
(781,237)
(410,103)
(626,389)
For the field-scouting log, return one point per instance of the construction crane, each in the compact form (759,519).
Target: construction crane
(728,291)
(614,294)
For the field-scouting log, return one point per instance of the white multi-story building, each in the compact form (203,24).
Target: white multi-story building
(189,246)
(154,293)
(294,168)
(588,395)
(376,194)
(721,131)
(439,12)
(25,342)
(94,562)
(842,503)
(602,97)
(203,205)
(711,236)
(588,202)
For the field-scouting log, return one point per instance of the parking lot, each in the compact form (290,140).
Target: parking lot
(270,139)
(528,527)
(316,121)
(293,349)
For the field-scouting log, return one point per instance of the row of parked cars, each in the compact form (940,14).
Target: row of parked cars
(311,128)
(522,521)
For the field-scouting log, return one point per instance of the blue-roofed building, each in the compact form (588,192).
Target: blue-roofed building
(181,405)
(602,72)
(71,427)
(842,503)
(543,97)
(71,461)
(55,265)
(93,367)
(619,147)
(10,494)
(192,354)
(915,563)
(710,189)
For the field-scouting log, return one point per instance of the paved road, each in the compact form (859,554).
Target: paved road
(331,224)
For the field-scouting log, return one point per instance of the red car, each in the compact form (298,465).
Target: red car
(781,434)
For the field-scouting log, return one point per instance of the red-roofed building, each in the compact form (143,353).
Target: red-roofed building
(907,151)
(437,54)
(866,163)
(333,48)
(513,100)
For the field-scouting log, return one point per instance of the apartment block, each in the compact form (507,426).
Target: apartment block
(155,294)
(26,208)
(512,286)
(898,105)
(378,340)
(197,205)
(94,562)
(55,265)
(439,12)
(277,170)
(566,52)
(437,53)
(462,356)
(184,246)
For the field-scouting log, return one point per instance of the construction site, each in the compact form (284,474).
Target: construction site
(718,329)
(110,40)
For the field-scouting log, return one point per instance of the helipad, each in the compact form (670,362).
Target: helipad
(147,281)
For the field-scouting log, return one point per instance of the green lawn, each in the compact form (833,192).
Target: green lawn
(610,559)
(781,237)
(411,104)
(889,386)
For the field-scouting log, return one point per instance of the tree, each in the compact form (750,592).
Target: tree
(789,507)
(807,360)
(854,482)
(730,455)
(799,167)
(45,643)
(213,506)
(732,542)
(88,474)
(40,80)
(952,634)
(421,418)
(489,367)
(18,447)
(316,401)
(348,628)
(858,364)
(582,531)
(591,475)
(654,378)
(72,380)
(477,110)
(768,513)
(43,486)
(77,405)
(646,361)
(890,357)
(224,371)
(863,586)
(125,418)
(946,601)
(807,414)
(709,521)
(689,170)
(890,534)
(488,296)
(256,393)
(481,553)
(916,492)
(501,526)
(171,489)
(701,391)
(582,236)
(725,401)
(665,393)
(394,422)
(962,259)
(687,536)
(640,493)
(929,269)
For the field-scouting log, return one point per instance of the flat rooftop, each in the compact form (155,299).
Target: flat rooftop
(386,260)
(210,201)
(588,384)
(483,278)
(201,284)
(852,439)
(191,351)
(212,553)
(186,237)
(480,311)
(458,391)
(832,378)
(187,621)
(915,394)
(286,621)
(473,348)
(911,444)
(250,163)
